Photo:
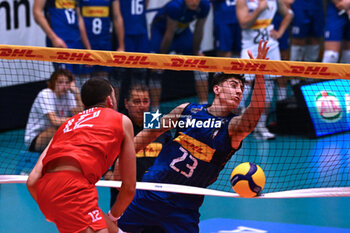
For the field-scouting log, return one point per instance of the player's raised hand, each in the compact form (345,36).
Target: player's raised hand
(262,51)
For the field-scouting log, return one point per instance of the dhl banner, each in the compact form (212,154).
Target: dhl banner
(177,62)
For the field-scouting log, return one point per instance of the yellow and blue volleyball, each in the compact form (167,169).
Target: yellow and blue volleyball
(248,179)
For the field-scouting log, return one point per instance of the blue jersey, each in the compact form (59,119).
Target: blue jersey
(194,157)
(178,11)
(134,16)
(224,11)
(62,17)
(97,19)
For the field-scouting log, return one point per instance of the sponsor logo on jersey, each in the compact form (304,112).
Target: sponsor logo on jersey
(95,11)
(152,150)
(65,4)
(328,106)
(198,149)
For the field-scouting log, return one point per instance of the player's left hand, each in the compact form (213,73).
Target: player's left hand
(262,51)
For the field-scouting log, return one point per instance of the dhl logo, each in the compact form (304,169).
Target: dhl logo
(312,70)
(16,53)
(134,60)
(152,150)
(189,62)
(95,11)
(198,149)
(73,56)
(65,4)
(247,66)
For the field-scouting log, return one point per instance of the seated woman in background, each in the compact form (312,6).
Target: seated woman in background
(52,107)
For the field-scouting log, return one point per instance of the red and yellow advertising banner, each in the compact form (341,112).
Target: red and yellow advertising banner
(177,62)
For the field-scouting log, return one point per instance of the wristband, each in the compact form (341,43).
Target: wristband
(114,219)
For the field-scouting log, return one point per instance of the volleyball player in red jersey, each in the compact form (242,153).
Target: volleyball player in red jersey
(82,150)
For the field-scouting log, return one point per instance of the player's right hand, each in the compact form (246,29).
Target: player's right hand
(59,43)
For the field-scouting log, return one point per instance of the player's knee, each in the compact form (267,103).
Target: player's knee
(312,53)
(330,56)
(297,52)
(345,58)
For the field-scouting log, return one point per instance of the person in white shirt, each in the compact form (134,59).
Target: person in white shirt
(52,107)
(255,18)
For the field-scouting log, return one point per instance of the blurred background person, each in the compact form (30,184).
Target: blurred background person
(64,28)
(255,18)
(170,31)
(52,107)
(337,34)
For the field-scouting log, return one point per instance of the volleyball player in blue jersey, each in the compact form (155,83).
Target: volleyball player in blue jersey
(170,32)
(196,155)
(227,30)
(307,30)
(99,17)
(64,27)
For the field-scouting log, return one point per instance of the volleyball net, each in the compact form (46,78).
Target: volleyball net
(308,157)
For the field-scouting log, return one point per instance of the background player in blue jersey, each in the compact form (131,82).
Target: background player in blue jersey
(307,30)
(227,31)
(196,155)
(337,31)
(64,27)
(100,17)
(170,31)
(136,39)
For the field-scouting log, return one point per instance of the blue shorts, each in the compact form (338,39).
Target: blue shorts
(337,26)
(308,22)
(145,211)
(228,37)
(182,43)
(284,41)
(137,43)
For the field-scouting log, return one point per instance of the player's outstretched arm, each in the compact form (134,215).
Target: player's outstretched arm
(243,125)
(146,136)
(35,174)
(127,169)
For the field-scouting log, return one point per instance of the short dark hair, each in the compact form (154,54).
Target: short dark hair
(136,87)
(221,77)
(95,91)
(59,72)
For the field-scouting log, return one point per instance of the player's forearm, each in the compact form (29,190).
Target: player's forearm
(83,34)
(259,94)
(42,22)
(145,137)
(119,28)
(125,196)
(197,40)
(165,45)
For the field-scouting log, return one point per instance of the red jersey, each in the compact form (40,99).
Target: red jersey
(92,137)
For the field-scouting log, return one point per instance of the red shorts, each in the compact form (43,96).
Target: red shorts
(70,201)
